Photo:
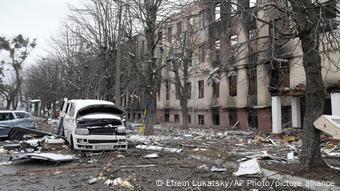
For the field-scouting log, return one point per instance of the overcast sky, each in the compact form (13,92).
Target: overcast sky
(38,19)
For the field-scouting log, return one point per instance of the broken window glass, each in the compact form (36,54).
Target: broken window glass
(179,29)
(233,7)
(167,117)
(218,51)
(189,90)
(167,89)
(201,119)
(233,40)
(216,118)
(216,89)
(200,89)
(252,3)
(217,11)
(232,85)
(169,34)
(176,118)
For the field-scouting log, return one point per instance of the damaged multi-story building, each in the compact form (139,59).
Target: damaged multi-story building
(243,73)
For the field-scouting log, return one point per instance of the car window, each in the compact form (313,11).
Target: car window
(70,112)
(6,116)
(22,115)
(67,108)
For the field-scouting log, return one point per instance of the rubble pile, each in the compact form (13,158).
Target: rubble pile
(45,148)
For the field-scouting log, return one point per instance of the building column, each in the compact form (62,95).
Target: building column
(296,112)
(276,115)
(335,99)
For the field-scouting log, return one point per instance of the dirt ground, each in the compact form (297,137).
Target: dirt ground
(187,170)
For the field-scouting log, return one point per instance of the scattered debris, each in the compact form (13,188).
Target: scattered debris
(127,184)
(92,180)
(120,156)
(108,182)
(149,139)
(259,139)
(334,154)
(292,147)
(51,121)
(53,143)
(292,156)
(242,133)
(92,161)
(329,124)
(5,163)
(199,149)
(215,169)
(57,172)
(329,146)
(273,142)
(32,142)
(235,125)
(153,155)
(265,156)
(43,156)
(119,183)
(188,136)
(289,138)
(249,167)
(12,146)
(199,137)
(17,133)
(140,166)
(203,167)
(158,148)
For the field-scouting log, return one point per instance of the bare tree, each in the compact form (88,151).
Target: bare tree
(308,23)
(150,16)
(179,55)
(18,48)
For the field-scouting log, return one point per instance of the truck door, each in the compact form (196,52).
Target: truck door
(63,108)
(69,124)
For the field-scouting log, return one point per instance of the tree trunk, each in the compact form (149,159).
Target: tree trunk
(150,112)
(118,58)
(8,105)
(15,101)
(151,64)
(315,95)
(185,112)
(308,28)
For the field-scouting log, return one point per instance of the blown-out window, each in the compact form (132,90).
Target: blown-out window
(217,11)
(200,89)
(232,85)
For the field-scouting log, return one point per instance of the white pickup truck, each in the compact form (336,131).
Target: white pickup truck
(93,125)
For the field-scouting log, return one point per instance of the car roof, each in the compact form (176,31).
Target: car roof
(81,103)
(5,111)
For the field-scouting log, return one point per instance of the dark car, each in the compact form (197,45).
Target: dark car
(15,119)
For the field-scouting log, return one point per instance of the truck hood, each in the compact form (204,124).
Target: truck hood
(99,108)
(98,119)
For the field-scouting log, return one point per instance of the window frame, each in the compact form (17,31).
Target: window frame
(200,119)
(201,89)
(217,11)
(232,82)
